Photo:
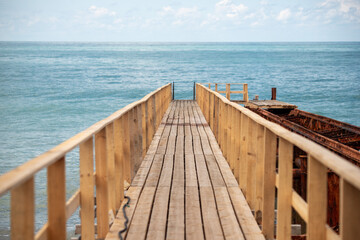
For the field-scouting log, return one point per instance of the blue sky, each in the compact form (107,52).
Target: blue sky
(176,21)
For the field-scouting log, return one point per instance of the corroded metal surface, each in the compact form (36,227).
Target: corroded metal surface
(342,138)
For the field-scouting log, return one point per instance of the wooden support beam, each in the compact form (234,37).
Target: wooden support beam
(228,91)
(87,189)
(56,200)
(243,152)
(349,211)
(316,199)
(285,190)
(110,158)
(269,185)
(23,211)
(102,201)
(260,159)
(119,163)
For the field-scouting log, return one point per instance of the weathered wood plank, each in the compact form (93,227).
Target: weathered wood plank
(284,190)
(87,189)
(56,200)
(23,211)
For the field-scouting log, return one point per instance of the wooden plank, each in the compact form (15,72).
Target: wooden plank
(157,224)
(138,141)
(125,146)
(167,171)
(110,159)
(250,193)
(23,211)
(260,158)
(197,145)
(144,120)
(316,196)
(269,185)
(210,216)
(284,190)
(190,171)
(102,201)
(194,228)
(138,227)
(119,164)
(56,200)
(154,174)
(176,227)
(150,121)
(180,145)
(87,189)
(237,144)
(229,223)
(202,173)
(243,153)
(247,221)
(224,167)
(349,211)
(72,204)
(133,193)
(214,172)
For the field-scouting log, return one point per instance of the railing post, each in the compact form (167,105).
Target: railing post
(56,200)
(216,87)
(119,163)
(110,158)
(211,111)
(237,144)
(243,152)
(285,190)
(316,199)
(144,121)
(246,94)
(260,158)
(23,211)
(102,201)
(87,189)
(228,91)
(251,164)
(269,185)
(150,121)
(125,145)
(349,211)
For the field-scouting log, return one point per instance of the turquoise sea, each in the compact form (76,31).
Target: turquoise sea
(49,91)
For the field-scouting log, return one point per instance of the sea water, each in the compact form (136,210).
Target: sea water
(49,91)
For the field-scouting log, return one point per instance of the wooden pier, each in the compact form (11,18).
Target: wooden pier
(198,170)
(184,188)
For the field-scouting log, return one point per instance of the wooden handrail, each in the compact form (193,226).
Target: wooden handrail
(228,91)
(255,170)
(120,140)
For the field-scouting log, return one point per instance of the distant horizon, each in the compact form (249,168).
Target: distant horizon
(79,41)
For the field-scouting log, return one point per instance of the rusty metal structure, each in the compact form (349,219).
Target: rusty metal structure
(341,138)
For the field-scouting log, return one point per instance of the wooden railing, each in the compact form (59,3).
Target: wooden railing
(228,91)
(253,146)
(121,141)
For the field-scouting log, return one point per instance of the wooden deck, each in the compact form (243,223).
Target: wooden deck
(184,187)
(269,104)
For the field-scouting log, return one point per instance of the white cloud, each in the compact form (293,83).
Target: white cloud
(100,11)
(229,9)
(346,9)
(284,15)
(184,12)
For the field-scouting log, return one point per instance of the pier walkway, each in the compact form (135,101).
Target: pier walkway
(184,188)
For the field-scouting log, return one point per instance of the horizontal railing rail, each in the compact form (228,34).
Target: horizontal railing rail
(253,146)
(228,90)
(117,144)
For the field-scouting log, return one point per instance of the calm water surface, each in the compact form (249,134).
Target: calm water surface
(51,91)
